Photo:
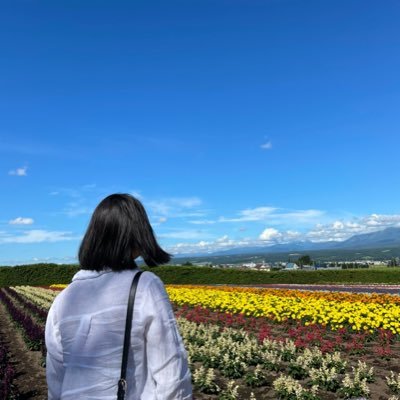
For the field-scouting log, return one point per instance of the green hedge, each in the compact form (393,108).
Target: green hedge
(46,274)
(205,275)
(37,274)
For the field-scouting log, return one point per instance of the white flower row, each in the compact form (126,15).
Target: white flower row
(234,351)
(40,296)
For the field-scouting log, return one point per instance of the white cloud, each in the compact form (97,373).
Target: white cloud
(38,236)
(22,171)
(77,208)
(172,207)
(292,235)
(337,230)
(159,207)
(211,246)
(21,221)
(204,246)
(202,222)
(184,234)
(175,207)
(161,220)
(80,200)
(301,215)
(267,145)
(338,225)
(223,239)
(275,215)
(136,194)
(190,214)
(251,214)
(68,192)
(270,234)
(377,220)
(186,202)
(341,230)
(40,259)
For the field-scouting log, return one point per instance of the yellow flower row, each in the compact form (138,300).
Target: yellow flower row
(281,305)
(326,295)
(359,311)
(58,286)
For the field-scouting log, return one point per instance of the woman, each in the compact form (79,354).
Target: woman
(86,323)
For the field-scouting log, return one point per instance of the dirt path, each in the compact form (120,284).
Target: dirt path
(31,379)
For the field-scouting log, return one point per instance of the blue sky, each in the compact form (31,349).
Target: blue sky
(235,122)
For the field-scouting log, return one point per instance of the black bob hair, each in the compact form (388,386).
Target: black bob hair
(118,232)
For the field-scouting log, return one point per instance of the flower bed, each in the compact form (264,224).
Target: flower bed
(33,331)
(241,347)
(360,312)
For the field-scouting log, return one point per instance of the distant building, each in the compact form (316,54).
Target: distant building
(249,265)
(291,266)
(264,267)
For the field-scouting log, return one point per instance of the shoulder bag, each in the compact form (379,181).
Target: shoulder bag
(122,386)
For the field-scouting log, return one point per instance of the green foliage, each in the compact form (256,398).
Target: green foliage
(255,378)
(394,262)
(304,260)
(46,274)
(296,371)
(205,275)
(204,380)
(37,274)
(232,367)
(230,392)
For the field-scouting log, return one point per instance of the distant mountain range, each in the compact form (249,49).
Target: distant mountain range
(389,237)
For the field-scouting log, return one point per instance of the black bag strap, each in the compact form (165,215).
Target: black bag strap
(127,338)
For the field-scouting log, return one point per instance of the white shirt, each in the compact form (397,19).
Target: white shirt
(85,333)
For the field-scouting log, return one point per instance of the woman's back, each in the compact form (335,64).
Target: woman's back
(85,333)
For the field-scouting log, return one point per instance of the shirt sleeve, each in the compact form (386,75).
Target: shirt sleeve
(54,358)
(167,358)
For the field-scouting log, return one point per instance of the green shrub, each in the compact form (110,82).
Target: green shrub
(46,274)
(37,274)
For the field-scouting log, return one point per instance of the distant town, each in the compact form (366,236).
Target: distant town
(303,263)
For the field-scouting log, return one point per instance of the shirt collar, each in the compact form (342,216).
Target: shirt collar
(89,274)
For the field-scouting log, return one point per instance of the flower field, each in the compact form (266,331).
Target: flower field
(357,311)
(246,343)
